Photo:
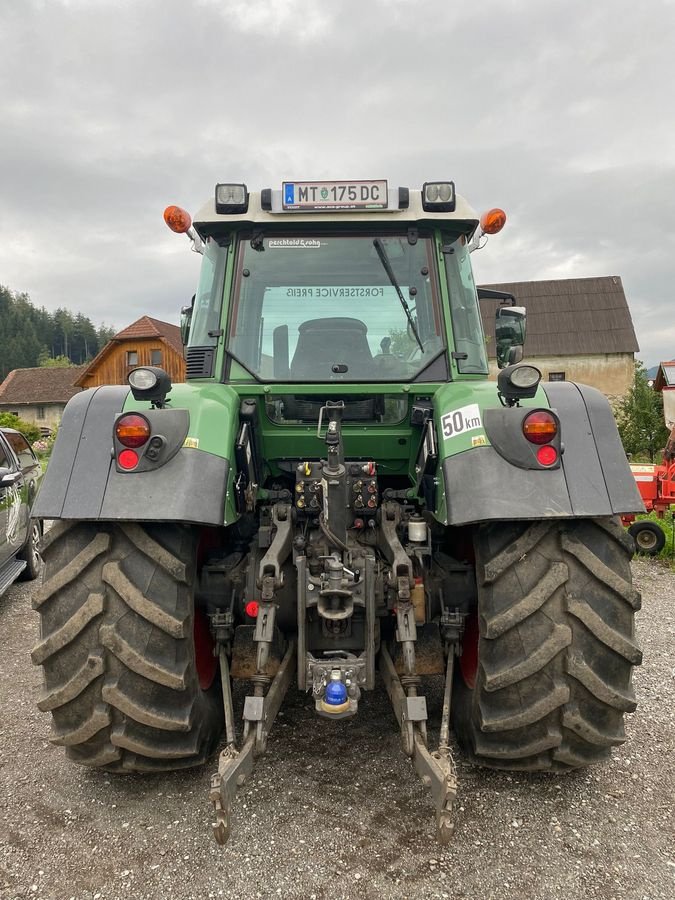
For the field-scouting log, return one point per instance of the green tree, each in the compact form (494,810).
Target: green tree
(9,420)
(640,417)
(54,362)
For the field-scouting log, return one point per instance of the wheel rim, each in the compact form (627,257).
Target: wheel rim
(205,661)
(645,540)
(468,661)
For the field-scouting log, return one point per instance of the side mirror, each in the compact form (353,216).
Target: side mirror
(7,477)
(186,321)
(510,330)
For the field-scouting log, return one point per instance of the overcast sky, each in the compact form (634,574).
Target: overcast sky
(562,113)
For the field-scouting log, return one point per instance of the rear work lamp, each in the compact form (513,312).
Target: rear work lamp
(150,383)
(438,196)
(231,198)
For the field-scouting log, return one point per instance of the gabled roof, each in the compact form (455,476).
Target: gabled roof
(142,329)
(147,327)
(45,384)
(569,317)
(665,377)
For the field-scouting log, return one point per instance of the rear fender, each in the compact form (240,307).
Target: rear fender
(82,480)
(488,481)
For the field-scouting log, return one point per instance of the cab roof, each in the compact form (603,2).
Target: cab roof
(207,220)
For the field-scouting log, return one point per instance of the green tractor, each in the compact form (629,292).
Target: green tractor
(338,490)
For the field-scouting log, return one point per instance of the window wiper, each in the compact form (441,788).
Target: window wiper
(384,259)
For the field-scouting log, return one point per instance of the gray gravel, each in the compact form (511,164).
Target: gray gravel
(335,811)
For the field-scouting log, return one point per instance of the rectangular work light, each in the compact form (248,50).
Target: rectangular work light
(231,198)
(438,196)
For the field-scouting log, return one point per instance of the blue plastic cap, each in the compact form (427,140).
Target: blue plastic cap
(336,693)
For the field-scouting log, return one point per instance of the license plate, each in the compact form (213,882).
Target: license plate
(332,195)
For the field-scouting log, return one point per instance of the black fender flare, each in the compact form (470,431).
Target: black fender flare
(593,479)
(82,480)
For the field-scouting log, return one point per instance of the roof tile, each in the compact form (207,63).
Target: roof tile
(569,317)
(44,384)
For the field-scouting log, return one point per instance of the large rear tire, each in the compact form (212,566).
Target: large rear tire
(117,647)
(556,645)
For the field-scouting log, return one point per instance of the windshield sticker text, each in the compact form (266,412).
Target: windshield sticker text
(467,418)
(338,293)
(286,243)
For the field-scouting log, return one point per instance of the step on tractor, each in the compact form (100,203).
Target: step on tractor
(656,483)
(338,493)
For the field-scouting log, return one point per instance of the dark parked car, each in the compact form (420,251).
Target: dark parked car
(20,474)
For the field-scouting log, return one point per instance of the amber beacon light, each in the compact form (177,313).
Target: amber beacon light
(493,221)
(177,219)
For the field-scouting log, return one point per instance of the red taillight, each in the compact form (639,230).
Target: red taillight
(132,430)
(547,455)
(128,459)
(540,427)
(252,608)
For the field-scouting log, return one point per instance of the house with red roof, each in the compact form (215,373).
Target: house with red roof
(39,395)
(146,342)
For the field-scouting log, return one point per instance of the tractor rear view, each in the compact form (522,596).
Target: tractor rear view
(338,492)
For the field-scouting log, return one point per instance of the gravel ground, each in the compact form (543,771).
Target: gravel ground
(335,810)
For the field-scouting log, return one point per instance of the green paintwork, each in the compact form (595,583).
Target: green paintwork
(214,422)
(214,406)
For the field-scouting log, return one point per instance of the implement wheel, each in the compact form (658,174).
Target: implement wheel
(117,624)
(555,645)
(649,537)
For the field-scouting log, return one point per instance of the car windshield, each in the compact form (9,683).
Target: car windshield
(325,309)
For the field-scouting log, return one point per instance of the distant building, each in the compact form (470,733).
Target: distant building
(578,329)
(146,342)
(665,382)
(39,395)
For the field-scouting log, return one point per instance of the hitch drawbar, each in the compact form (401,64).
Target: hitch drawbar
(234,766)
(436,769)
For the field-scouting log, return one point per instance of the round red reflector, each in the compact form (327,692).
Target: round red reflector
(540,427)
(132,430)
(128,459)
(252,608)
(547,455)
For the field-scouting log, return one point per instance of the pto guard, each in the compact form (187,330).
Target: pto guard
(82,481)
(594,478)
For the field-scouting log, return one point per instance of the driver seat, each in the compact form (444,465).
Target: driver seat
(324,343)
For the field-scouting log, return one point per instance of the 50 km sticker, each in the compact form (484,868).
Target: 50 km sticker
(467,418)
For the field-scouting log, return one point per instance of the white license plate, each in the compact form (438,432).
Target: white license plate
(332,195)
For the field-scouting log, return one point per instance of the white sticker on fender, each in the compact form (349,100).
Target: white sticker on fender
(466,418)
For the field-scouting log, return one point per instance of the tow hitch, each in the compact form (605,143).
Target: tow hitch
(234,765)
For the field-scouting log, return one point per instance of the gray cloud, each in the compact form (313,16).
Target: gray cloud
(559,112)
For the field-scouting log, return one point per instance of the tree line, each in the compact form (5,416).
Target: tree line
(35,337)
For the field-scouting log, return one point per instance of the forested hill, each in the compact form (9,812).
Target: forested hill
(31,337)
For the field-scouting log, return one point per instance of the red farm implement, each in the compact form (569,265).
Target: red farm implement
(656,484)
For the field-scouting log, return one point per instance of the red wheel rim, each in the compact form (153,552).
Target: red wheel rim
(206,662)
(468,661)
